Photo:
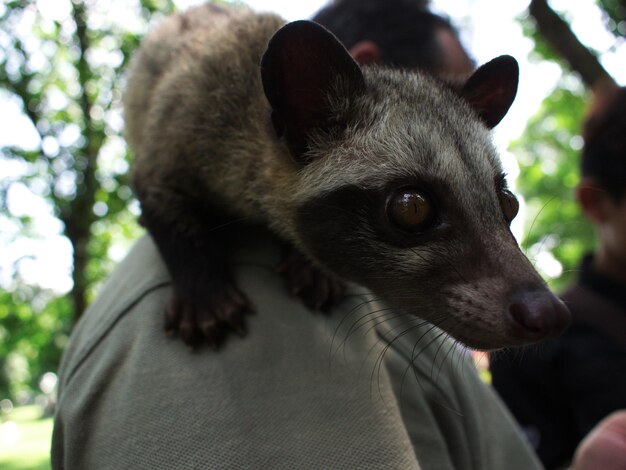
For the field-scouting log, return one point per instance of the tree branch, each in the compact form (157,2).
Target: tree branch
(560,37)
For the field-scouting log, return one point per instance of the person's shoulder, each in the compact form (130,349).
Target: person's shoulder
(141,273)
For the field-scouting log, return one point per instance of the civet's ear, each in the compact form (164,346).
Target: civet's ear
(492,88)
(305,65)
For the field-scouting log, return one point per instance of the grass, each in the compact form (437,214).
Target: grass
(25,440)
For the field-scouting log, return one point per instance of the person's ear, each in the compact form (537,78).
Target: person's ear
(366,53)
(592,200)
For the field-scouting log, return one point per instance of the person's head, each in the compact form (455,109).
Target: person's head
(602,190)
(398,33)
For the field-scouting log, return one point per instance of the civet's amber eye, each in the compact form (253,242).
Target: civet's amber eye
(509,205)
(410,210)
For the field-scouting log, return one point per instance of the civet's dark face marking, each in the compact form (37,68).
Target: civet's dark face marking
(418,245)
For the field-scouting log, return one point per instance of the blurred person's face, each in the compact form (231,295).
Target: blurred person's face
(456,65)
(608,215)
(613,229)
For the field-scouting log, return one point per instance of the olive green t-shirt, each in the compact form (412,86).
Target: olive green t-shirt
(361,388)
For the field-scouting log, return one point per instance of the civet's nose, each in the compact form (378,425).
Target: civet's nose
(536,314)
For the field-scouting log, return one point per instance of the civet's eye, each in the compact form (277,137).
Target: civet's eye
(410,210)
(509,205)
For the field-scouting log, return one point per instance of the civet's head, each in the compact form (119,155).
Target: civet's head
(400,189)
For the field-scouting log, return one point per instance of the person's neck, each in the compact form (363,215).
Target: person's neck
(610,264)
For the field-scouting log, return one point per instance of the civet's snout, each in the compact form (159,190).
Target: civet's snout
(535,314)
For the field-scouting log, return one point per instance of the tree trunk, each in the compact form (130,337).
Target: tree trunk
(80,216)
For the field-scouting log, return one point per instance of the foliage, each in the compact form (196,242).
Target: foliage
(615,16)
(63,65)
(33,331)
(549,155)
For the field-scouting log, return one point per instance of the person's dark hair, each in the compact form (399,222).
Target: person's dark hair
(404,30)
(604,152)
